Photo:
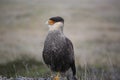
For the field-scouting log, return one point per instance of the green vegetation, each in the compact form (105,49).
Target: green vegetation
(34,69)
(29,68)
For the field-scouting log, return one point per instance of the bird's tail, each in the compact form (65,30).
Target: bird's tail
(71,74)
(73,68)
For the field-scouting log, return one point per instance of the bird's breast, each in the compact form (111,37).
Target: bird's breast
(55,42)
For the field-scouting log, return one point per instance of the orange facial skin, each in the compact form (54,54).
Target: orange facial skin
(51,22)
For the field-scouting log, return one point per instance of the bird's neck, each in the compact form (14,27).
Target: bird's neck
(57,32)
(56,29)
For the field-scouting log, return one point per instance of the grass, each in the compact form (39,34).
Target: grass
(23,67)
(35,69)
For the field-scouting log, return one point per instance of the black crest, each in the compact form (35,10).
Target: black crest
(57,19)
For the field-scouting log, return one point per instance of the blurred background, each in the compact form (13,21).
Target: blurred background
(92,25)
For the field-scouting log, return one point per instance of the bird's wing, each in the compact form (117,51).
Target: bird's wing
(70,49)
(70,46)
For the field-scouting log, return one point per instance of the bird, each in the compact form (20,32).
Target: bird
(58,51)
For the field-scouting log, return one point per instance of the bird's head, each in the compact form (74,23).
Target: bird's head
(55,23)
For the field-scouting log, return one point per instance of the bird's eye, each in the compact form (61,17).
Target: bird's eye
(51,22)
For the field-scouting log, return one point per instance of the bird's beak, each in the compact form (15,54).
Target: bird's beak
(50,22)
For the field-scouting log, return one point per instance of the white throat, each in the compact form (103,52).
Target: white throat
(56,26)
